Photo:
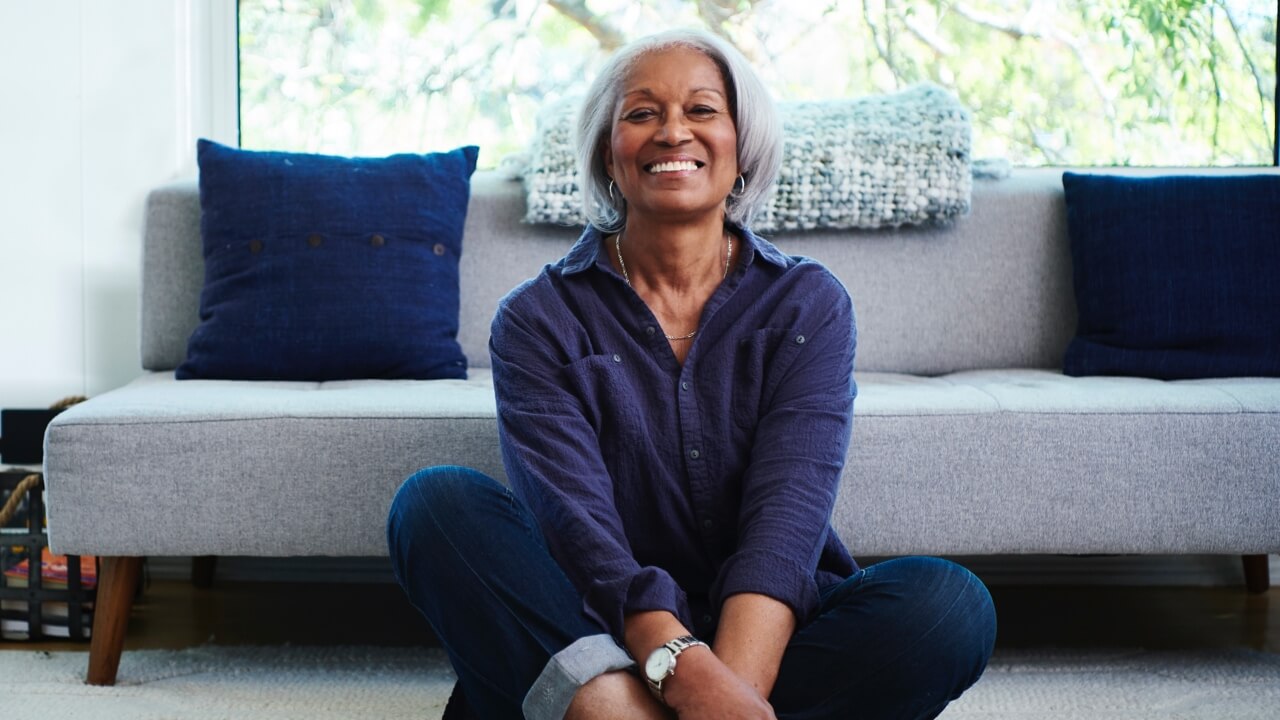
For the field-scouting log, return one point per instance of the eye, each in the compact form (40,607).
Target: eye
(639,115)
(703,110)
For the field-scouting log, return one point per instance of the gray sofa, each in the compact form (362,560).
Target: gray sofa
(967,439)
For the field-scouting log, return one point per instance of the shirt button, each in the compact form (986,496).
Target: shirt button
(377,241)
(617,358)
(706,619)
(684,386)
(694,454)
(314,240)
(799,339)
(649,331)
(708,524)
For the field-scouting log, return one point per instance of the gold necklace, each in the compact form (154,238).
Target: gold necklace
(617,246)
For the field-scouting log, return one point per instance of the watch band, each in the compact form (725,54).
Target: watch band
(681,644)
(674,647)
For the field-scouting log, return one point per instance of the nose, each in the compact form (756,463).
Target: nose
(673,130)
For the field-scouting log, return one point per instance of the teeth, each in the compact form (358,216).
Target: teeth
(676,166)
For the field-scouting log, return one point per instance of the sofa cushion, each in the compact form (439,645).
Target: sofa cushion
(235,467)
(327,268)
(1054,464)
(1175,276)
(992,461)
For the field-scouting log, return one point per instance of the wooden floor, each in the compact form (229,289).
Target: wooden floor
(174,614)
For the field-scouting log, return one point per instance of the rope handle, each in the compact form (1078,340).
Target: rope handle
(32,480)
(67,402)
(19,492)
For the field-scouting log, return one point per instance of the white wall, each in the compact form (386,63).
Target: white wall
(99,103)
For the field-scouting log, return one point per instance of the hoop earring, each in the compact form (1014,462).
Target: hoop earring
(611,198)
(739,185)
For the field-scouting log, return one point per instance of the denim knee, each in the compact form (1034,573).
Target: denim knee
(432,504)
(442,488)
(901,639)
(961,614)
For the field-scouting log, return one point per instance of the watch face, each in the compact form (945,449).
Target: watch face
(658,664)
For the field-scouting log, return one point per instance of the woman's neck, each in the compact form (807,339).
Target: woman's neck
(674,257)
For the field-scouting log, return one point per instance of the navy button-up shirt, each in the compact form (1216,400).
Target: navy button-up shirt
(667,487)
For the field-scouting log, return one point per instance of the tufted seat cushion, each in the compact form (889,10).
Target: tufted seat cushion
(976,462)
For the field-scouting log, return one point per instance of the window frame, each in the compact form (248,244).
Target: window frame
(213,109)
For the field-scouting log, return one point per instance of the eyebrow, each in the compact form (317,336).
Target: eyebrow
(648,92)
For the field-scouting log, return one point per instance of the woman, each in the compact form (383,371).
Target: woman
(675,400)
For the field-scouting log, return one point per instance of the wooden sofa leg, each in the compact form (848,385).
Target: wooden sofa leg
(1257,573)
(118,584)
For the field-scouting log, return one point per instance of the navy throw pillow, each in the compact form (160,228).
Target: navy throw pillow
(1175,276)
(329,268)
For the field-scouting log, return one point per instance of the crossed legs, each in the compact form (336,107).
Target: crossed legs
(900,639)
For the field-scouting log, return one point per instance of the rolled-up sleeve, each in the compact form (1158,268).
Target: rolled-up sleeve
(797,457)
(567,671)
(553,460)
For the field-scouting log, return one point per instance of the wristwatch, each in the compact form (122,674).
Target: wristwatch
(662,662)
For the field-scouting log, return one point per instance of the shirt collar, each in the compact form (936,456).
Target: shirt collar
(589,250)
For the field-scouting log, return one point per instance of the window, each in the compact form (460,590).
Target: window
(1102,82)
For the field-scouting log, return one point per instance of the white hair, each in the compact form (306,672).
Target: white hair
(754,114)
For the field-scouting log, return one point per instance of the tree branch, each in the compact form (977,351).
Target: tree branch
(716,15)
(1051,156)
(883,51)
(939,46)
(436,81)
(605,33)
(1021,31)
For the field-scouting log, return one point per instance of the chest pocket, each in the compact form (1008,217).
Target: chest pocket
(594,381)
(761,362)
(602,384)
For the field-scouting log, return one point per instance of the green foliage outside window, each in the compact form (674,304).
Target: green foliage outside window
(1102,82)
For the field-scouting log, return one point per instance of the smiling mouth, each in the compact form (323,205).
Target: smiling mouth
(674,166)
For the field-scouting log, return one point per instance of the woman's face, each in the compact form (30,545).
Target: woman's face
(673,151)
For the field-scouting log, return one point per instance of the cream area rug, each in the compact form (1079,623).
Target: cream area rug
(366,682)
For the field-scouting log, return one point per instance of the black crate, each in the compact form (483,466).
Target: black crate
(22,434)
(31,607)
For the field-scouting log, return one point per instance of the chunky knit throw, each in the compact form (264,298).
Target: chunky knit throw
(876,161)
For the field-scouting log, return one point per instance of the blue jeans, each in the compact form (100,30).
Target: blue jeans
(899,639)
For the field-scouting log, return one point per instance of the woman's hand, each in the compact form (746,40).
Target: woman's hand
(704,688)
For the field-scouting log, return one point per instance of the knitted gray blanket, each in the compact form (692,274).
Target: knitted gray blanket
(871,162)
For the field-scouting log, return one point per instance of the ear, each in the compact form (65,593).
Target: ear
(606,156)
